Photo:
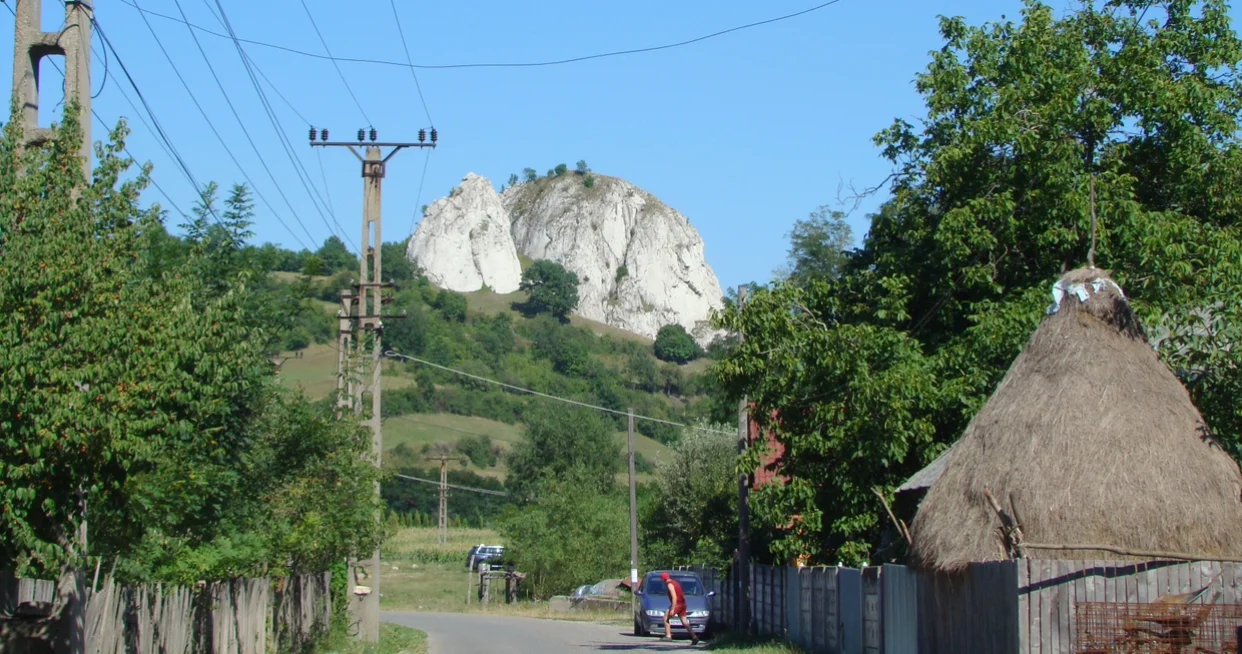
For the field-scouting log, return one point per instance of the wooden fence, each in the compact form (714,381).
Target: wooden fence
(242,616)
(1027,606)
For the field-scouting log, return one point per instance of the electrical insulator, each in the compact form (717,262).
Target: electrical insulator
(372,134)
(433,135)
(323,134)
(312,133)
(422,135)
(361,135)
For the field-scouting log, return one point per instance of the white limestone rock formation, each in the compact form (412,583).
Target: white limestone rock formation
(640,264)
(463,241)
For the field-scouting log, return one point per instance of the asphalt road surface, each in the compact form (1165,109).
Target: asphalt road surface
(460,633)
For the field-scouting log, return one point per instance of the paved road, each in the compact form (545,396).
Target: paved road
(460,633)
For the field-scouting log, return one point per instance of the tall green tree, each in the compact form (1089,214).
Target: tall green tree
(569,444)
(818,246)
(335,256)
(142,393)
(552,288)
(1128,112)
(674,344)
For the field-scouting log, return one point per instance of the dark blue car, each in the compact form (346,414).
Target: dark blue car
(653,604)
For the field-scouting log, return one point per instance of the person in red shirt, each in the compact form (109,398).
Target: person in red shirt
(677,607)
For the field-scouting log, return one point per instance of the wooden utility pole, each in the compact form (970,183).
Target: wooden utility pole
(443,513)
(633,517)
(30,46)
(367,325)
(73,42)
(742,608)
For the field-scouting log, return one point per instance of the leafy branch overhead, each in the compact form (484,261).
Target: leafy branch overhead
(874,369)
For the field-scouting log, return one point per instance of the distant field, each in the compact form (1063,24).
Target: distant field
(315,371)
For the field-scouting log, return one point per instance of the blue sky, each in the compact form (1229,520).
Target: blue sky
(744,133)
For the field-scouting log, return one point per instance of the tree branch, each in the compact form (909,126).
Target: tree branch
(1124,551)
(901,526)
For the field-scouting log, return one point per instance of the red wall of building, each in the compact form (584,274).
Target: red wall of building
(768,469)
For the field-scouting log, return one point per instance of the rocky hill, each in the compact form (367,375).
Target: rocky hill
(640,263)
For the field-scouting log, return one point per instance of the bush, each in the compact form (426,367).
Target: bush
(560,170)
(675,345)
(589,181)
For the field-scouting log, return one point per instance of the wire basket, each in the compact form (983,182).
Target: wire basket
(1138,628)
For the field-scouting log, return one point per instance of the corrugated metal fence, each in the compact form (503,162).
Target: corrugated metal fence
(242,616)
(1027,606)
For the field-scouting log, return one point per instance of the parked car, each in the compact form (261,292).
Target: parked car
(653,604)
(484,554)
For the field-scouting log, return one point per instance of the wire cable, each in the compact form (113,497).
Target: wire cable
(225,145)
(246,133)
(406,47)
(104,124)
(391,354)
(335,64)
(464,488)
(525,64)
(159,129)
(418,199)
(298,166)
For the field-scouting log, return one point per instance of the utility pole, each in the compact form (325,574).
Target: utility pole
(633,518)
(30,46)
(367,322)
(743,503)
(345,335)
(73,42)
(443,521)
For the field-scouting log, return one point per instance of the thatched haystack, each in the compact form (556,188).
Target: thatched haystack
(1093,440)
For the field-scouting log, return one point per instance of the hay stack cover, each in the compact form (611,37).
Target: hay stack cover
(1096,440)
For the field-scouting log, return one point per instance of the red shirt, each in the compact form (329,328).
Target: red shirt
(680,602)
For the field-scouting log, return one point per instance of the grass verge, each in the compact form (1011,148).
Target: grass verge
(727,643)
(393,640)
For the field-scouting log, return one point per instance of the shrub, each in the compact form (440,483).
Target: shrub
(675,345)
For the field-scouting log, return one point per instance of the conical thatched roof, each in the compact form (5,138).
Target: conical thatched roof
(1096,441)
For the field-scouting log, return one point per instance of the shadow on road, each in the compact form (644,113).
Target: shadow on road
(646,644)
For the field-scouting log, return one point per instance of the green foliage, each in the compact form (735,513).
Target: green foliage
(452,305)
(674,344)
(480,450)
(818,247)
(571,445)
(412,498)
(581,167)
(529,174)
(560,170)
(336,256)
(875,372)
(568,536)
(144,393)
(589,181)
(552,288)
(513,179)
(395,267)
(692,518)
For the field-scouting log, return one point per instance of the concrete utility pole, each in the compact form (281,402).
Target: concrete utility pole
(633,518)
(73,42)
(743,504)
(369,320)
(443,513)
(345,335)
(30,45)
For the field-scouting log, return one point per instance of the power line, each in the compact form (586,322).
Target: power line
(159,129)
(527,64)
(465,488)
(335,64)
(418,199)
(224,144)
(392,354)
(406,47)
(108,128)
(250,140)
